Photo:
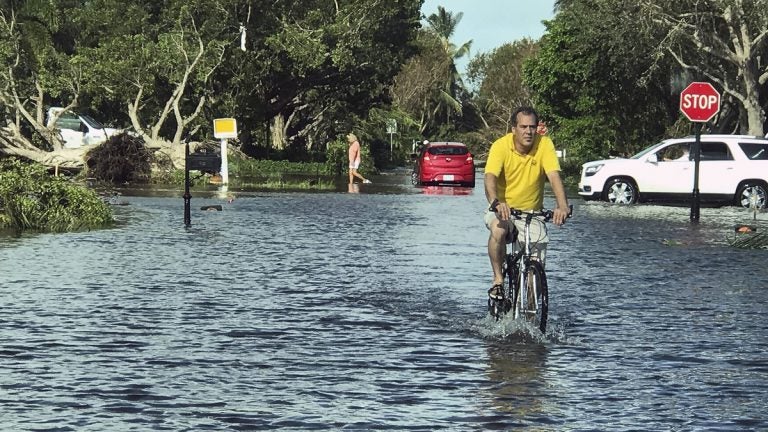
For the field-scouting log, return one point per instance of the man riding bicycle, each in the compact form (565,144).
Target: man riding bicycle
(517,166)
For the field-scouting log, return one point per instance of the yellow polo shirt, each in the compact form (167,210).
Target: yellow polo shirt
(521,177)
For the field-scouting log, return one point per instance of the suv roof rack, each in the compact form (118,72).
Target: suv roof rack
(725,136)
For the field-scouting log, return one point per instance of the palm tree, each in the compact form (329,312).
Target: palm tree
(562,4)
(443,24)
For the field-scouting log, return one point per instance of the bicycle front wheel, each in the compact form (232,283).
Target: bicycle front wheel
(514,279)
(538,294)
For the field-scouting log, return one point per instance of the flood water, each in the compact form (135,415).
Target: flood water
(366,311)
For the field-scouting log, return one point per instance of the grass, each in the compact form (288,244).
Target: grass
(283,184)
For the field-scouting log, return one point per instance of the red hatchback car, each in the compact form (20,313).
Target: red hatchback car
(443,163)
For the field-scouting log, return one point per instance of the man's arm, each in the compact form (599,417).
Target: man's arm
(562,210)
(502,210)
(490,187)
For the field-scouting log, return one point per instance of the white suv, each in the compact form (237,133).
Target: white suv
(78,130)
(733,169)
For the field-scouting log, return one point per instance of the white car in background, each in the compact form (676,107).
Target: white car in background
(78,130)
(733,169)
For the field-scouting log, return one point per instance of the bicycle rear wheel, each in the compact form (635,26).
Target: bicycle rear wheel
(538,295)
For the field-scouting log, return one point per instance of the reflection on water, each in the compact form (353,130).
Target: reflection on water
(515,375)
(366,311)
(446,190)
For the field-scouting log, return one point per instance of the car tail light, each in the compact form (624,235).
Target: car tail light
(469,159)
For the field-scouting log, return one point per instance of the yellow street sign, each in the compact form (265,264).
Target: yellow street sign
(224,128)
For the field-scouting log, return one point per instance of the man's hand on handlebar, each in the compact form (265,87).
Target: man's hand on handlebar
(559,215)
(502,210)
(556,216)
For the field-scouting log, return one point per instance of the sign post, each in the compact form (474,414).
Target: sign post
(391,130)
(187,195)
(224,128)
(700,101)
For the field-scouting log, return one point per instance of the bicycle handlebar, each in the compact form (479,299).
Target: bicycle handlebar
(546,214)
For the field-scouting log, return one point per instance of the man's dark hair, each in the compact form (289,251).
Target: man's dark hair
(524,110)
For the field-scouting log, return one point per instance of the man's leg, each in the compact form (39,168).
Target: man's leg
(539,238)
(496,245)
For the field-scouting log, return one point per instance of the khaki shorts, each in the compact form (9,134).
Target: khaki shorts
(354,165)
(538,230)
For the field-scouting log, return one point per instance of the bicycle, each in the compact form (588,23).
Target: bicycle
(526,293)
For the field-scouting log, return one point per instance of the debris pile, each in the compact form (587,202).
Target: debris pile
(749,237)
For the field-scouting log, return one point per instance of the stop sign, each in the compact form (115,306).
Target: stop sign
(699,101)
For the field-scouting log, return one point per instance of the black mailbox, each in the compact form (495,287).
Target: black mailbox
(205,162)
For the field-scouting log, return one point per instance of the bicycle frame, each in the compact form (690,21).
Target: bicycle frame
(518,267)
(522,260)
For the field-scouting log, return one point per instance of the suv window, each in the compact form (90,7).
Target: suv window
(675,152)
(712,151)
(68,121)
(755,151)
(448,150)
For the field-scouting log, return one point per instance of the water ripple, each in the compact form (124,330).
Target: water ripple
(366,312)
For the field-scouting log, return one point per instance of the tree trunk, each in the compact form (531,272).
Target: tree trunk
(751,102)
(277,132)
(755,116)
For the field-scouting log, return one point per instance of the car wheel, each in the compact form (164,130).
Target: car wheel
(415,178)
(752,195)
(621,191)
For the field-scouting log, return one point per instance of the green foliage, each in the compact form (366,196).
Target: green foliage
(570,171)
(31,199)
(419,83)
(586,137)
(289,183)
(603,76)
(444,24)
(596,83)
(168,176)
(264,167)
(498,77)
(384,149)
(337,157)
(32,60)
(318,65)
(719,41)
(478,142)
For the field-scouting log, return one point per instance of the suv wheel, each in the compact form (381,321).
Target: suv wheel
(620,191)
(752,195)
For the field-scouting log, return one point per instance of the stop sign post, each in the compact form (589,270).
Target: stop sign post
(699,102)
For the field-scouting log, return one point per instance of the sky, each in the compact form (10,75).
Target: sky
(492,23)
